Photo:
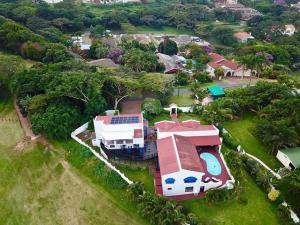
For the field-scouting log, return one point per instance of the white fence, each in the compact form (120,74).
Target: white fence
(183,109)
(103,158)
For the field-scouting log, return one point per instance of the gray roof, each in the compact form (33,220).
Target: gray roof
(104,62)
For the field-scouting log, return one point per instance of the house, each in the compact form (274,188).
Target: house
(289,157)
(53,1)
(190,161)
(83,42)
(184,39)
(231,67)
(172,65)
(243,37)
(109,2)
(296,6)
(246,12)
(120,132)
(289,29)
(106,62)
(216,92)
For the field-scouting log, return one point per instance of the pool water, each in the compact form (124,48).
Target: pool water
(212,163)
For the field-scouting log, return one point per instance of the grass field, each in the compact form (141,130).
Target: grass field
(38,186)
(241,130)
(162,30)
(182,100)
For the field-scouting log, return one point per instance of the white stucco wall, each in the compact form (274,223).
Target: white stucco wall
(188,133)
(284,159)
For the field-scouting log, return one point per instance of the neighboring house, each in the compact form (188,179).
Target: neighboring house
(172,65)
(246,12)
(190,161)
(296,6)
(289,29)
(83,42)
(121,132)
(243,37)
(289,157)
(231,67)
(182,40)
(104,62)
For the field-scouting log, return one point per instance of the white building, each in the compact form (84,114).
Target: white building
(289,29)
(289,157)
(190,161)
(119,132)
(83,42)
(243,37)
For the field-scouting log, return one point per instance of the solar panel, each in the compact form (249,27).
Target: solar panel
(124,120)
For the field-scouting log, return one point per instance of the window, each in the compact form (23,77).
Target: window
(129,141)
(190,180)
(111,146)
(170,180)
(119,142)
(110,142)
(136,145)
(123,146)
(189,189)
(169,189)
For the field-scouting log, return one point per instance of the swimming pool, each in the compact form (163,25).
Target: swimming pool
(212,163)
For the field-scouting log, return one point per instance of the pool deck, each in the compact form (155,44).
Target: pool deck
(224,176)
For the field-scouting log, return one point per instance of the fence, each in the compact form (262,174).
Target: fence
(103,157)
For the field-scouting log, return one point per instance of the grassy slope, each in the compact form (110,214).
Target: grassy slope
(39,187)
(241,130)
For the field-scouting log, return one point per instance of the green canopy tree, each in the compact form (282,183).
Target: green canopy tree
(168,47)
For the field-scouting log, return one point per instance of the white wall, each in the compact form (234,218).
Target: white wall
(178,188)
(284,159)
(188,133)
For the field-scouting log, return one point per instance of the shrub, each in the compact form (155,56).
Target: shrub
(229,141)
(218,195)
(273,195)
(284,215)
(152,106)
(203,77)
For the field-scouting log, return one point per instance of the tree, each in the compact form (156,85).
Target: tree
(162,85)
(99,50)
(168,47)
(224,35)
(219,72)
(56,53)
(97,31)
(139,60)
(152,106)
(182,79)
(117,88)
(57,120)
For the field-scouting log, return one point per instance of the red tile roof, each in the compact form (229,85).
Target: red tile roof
(138,133)
(219,61)
(216,57)
(170,126)
(188,156)
(204,140)
(168,162)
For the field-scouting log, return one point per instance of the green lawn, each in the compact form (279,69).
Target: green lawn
(162,30)
(242,131)
(183,100)
(39,186)
(258,210)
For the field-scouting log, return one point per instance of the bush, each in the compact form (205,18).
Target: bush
(229,141)
(203,77)
(152,106)
(284,215)
(218,195)
(273,195)
(259,174)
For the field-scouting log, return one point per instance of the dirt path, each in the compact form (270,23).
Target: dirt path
(26,126)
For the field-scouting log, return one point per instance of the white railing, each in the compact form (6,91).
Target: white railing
(103,158)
